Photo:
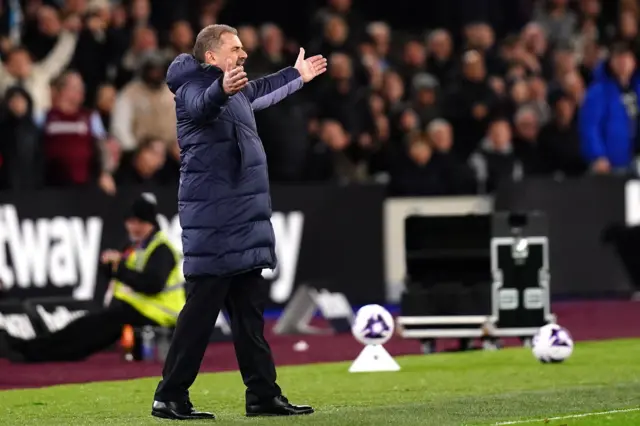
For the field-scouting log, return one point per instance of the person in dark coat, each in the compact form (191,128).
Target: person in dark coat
(21,154)
(225,208)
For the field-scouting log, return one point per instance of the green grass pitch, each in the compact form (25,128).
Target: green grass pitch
(473,388)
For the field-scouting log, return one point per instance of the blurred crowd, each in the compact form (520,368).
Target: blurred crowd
(429,113)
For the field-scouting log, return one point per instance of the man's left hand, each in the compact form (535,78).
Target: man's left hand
(110,257)
(311,67)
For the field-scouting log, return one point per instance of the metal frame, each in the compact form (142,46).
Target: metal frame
(543,280)
(482,326)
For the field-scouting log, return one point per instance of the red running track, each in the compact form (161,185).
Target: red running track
(585,320)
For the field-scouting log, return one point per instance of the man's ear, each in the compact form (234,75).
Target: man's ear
(210,57)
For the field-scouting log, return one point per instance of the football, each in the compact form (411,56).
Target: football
(373,325)
(552,344)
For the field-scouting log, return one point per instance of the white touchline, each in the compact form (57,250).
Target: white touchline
(574,416)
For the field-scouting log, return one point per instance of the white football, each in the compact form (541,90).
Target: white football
(552,343)
(373,325)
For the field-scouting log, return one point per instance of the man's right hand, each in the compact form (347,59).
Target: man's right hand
(601,166)
(234,79)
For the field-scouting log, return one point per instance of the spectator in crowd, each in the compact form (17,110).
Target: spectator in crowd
(526,127)
(559,142)
(329,159)
(21,160)
(609,115)
(335,38)
(440,56)
(19,69)
(380,36)
(344,10)
(105,102)
(93,52)
(557,19)
(249,37)
(538,95)
(495,161)
(425,97)
(460,177)
(144,42)
(72,139)
(144,165)
(271,56)
(145,107)
(592,54)
(180,40)
(420,171)
(470,103)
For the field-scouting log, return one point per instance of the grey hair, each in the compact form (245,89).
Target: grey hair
(437,32)
(524,110)
(436,124)
(209,39)
(265,28)
(378,25)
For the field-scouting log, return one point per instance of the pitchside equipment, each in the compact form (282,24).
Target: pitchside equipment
(476,276)
(373,327)
(306,301)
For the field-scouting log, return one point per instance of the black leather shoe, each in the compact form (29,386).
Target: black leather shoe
(278,406)
(178,411)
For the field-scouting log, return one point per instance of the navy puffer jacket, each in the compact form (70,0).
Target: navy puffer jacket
(223,200)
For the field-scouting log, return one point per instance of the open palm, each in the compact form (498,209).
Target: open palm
(311,67)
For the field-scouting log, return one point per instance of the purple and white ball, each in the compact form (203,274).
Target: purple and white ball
(552,344)
(373,325)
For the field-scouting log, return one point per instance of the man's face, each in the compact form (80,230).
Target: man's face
(474,68)
(230,47)
(527,127)
(137,229)
(248,37)
(426,96)
(565,109)
(442,138)
(623,64)
(18,105)
(340,68)
(73,90)
(441,46)
(154,156)
(420,152)
(500,134)
(182,35)
(153,75)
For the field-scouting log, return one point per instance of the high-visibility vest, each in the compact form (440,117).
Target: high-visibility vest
(164,307)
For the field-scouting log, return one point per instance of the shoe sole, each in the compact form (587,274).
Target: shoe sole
(306,413)
(162,415)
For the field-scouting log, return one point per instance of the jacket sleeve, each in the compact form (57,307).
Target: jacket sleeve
(202,103)
(152,279)
(122,121)
(271,89)
(59,57)
(590,121)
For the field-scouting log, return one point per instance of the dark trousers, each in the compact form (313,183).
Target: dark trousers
(243,296)
(82,337)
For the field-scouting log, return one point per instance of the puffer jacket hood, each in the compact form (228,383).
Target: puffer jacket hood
(186,68)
